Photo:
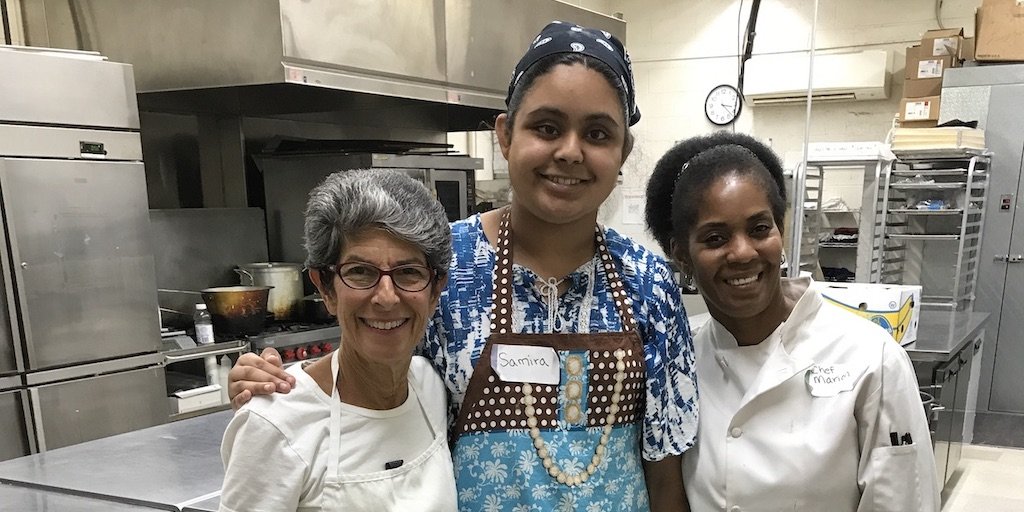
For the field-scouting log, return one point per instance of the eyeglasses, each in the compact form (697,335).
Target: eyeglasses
(363,276)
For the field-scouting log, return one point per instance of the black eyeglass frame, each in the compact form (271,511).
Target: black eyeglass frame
(335,270)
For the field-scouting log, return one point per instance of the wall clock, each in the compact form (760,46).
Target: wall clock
(723,105)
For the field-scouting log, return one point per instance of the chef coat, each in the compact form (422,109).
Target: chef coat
(811,431)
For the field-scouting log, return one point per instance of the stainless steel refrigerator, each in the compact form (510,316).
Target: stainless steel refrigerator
(79,332)
(992,95)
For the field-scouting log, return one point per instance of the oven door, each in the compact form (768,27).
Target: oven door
(455,190)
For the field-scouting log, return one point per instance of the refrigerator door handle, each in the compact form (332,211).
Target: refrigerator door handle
(37,420)
(11,309)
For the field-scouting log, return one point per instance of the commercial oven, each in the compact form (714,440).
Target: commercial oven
(288,176)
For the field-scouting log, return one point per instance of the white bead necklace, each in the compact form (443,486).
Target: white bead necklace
(542,450)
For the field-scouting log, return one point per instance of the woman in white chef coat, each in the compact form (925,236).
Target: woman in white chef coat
(803,406)
(363,429)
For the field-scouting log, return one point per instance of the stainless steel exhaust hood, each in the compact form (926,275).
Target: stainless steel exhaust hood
(279,57)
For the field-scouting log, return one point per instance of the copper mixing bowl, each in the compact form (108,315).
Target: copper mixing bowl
(237,310)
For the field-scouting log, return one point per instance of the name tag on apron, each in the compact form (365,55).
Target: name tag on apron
(832,379)
(525,363)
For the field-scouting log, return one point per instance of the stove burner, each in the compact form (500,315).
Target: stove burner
(297,340)
(291,327)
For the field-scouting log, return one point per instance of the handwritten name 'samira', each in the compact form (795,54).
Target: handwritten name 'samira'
(505,361)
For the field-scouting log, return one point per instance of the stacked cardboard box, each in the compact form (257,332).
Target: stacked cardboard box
(939,50)
(999,27)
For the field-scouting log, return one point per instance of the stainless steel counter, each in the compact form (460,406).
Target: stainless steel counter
(175,466)
(941,334)
(24,499)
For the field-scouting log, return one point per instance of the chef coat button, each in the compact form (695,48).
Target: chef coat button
(735,508)
(736,432)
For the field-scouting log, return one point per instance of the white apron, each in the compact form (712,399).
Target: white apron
(424,483)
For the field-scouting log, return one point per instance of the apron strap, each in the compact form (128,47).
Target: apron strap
(334,442)
(502,296)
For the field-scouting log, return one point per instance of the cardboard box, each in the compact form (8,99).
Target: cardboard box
(919,109)
(967,50)
(999,31)
(920,64)
(922,88)
(919,124)
(896,308)
(943,42)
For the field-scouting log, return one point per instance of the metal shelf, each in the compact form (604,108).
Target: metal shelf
(915,211)
(937,249)
(927,186)
(921,236)
(940,154)
(810,220)
(929,172)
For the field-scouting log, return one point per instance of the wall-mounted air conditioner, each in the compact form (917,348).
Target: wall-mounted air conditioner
(782,78)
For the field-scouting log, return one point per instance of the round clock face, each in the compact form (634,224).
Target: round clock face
(723,104)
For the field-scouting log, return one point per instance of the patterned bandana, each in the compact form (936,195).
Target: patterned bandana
(563,37)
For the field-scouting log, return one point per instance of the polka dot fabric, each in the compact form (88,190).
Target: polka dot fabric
(560,437)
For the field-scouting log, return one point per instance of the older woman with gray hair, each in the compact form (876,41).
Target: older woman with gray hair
(364,428)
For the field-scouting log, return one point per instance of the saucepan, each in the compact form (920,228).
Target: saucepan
(315,310)
(237,310)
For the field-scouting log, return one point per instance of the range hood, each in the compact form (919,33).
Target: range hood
(281,57)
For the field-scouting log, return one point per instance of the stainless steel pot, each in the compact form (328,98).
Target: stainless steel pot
(285,299)
(315,310)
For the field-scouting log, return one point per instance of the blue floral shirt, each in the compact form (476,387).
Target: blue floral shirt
(460,327)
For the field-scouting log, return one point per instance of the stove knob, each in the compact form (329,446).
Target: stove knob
(327,347)
(314,351)
(288,355)
(301,353)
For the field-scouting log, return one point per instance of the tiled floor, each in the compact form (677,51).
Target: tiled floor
(990,479)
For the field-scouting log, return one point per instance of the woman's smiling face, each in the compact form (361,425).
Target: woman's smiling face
(567,145)
(734,250)
(384,323)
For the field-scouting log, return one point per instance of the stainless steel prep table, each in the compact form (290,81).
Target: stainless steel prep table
(175,466)
(944,355)
(25,499)
(942,334)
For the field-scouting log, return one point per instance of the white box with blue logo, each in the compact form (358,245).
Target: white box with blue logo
(896,308)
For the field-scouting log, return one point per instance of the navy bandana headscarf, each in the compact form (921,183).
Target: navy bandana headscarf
(562,37)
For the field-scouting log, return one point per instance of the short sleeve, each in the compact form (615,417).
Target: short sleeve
(670,421)
(261,471)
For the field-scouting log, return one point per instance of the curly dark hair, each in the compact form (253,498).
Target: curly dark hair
(675,193)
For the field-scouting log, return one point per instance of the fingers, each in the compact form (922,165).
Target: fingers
(257,375)
(240,399)
(271,356)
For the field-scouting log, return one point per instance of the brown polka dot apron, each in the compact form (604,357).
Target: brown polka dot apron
(569,440)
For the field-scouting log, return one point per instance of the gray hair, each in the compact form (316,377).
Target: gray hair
(348,202)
